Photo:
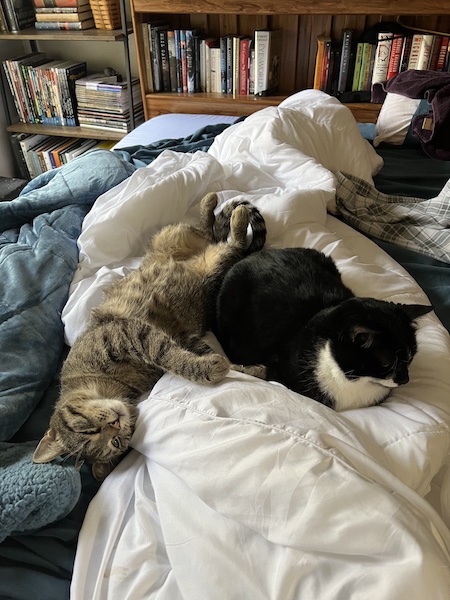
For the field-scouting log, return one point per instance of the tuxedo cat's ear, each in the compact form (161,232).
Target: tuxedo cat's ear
(48,448)
(414,311)
(362,336)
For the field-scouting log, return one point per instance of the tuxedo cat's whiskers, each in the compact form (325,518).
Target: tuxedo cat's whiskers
(150,322)
(290,310)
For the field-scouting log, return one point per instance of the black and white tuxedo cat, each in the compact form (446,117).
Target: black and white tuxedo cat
(289,310)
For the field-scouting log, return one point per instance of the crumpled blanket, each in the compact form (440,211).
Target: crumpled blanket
(32,496)
(412,223)
(38,255)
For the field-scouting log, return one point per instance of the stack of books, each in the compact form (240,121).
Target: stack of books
(103,102)
(63,14)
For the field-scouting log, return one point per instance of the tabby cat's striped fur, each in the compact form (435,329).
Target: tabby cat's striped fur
(150,322)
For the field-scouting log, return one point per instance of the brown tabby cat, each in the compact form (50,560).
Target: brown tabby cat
(149,323)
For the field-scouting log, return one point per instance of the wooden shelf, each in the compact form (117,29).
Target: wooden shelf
(86,35)
(297,7)
(201,103)
(76,132)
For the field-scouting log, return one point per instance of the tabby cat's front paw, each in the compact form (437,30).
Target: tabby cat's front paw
(259,371)
(218,368)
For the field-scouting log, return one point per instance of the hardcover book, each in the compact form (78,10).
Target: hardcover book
(344,67)
(267,61)
(80,15)
(59,3)
(68,25)
(382,57)
(19,14)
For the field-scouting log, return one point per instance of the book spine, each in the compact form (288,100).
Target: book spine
(261,60)
(179,64)
(229,64)
(147,58)
(55,3)
(9,78)
(11,17)
(164,60)
(406,51)
(396,54)
(58,10)
(442,53)
(425,52)
(3,21)
(223,64)
(156,70)
(344,67)
(67,25)
(243,66)
(357,69)
(382,56)
(197,40)
(184,75)
(251,68)
(18,155)
(415,50)
(72,74)
(236,63)
(172,60)
(435,50)
(318,64)
(208,66)
(190,61)
(326,66)
(214,66)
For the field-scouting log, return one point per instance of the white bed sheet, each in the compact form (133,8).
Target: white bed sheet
(174,125)
(246,489)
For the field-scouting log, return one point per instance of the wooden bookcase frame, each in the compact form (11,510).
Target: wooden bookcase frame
(301,21)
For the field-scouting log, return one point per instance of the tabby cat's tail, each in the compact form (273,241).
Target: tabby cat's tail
(221,227)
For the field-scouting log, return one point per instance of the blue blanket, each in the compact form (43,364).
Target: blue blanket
(38,256)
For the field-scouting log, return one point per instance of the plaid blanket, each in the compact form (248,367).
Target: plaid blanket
(413,223)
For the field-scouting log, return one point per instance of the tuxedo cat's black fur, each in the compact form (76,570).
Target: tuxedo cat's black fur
(289,310)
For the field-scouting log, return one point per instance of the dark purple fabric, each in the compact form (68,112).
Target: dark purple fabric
(434,86)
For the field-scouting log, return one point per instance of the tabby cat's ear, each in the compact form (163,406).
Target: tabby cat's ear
(414,311)
(48,448)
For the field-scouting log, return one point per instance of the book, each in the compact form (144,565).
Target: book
(215,69)
(396,54)
(164,59)
(223,64)
(319,63)
(148,72)
(28,144)
(267,61)
(155,53)
(183,61)
(443,51)
(59,3)
(68,25)
(406,51)
(19,14)
(357,67)
(423,59)
(19,156)
(229,62)
(382,57)
(366,66)
(236,64)
(244,53)
(67,17)
(416,44)
(62,9)
(3,22)
(172,60)
(344,67)
(190,61)
(435,50)
(179,64)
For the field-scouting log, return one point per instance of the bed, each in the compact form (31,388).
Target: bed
(241,489)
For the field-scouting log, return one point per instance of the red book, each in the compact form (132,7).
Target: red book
(62,3)
(244,48)
(435,50)
(442,53)
(396,54)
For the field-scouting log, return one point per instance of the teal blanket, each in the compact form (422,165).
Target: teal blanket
(38,256)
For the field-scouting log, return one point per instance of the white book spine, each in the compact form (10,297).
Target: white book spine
(262,40)
(382,57)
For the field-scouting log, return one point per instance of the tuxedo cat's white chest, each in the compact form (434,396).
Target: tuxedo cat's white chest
(348,393)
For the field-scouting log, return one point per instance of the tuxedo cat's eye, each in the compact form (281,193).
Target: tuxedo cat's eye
(115,443)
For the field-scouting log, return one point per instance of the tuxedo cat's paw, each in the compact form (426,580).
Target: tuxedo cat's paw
(218,368)
(259,371)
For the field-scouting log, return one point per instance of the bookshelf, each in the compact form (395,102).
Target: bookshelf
(301,22)
(34,36)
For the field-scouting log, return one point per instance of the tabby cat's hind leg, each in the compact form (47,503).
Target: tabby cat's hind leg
(240,219)
(259,371)
(207,205)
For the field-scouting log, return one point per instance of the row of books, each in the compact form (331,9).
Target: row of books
(187,61)
(103,102)
(355,66)
(44,90)
(37,153)
(16,15)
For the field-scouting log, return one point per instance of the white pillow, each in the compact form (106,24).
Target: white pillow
(394,119)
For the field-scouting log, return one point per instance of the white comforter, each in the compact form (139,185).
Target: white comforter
(246,490)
